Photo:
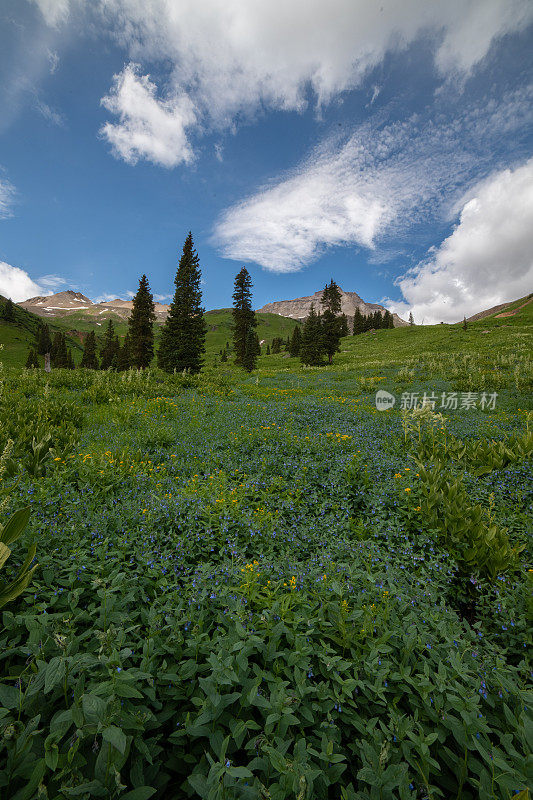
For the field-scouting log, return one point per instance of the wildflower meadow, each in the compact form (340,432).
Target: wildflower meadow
(261,586)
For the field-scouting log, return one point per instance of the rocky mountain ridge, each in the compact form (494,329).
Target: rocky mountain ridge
(350,301)
(68,302)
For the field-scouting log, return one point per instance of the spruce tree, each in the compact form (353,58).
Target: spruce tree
(123,358)
(411,318)
(110,348)
(343,325)
(358,322)
(250,353)
(44,342)
(182,343)
(268,350)
(33,359)
(244,318)
(465,323)
(224,356)
(296,341)
(90,359)
(312,345)
(331,302)
(58,354)
(141,326)
(388,320)
(9,311)
(70,360)
(276,345)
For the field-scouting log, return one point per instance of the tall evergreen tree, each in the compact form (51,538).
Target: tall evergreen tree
(58,354)
(411,318)
(70,361)
(33,359)
(89,359)
(250,354)
(296,342)
(123,359)
(465,323)
(224,356)
(388,319)
(44,342)
(331,303)
(182,342)
(343,325)
(9,311)
(141,326)
(276,345)
(110,348)
(312,345)
(358,322)
(244,317)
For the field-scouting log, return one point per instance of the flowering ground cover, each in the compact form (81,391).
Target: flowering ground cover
(244,590)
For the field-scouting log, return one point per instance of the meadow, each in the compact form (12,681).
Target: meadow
(260,586)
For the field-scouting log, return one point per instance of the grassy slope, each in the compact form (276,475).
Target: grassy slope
(19,336)
(394,346)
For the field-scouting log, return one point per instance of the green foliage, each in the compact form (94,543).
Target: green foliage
(182,342)
(480,548)
(8,312)
(244,319)
(312,346)
(230,604)
(90,359)
(44,341)
(249,360)
(331,322)
(110,349)
(33,360)
(296,342)
(11,588)
(141,326)
(59,354)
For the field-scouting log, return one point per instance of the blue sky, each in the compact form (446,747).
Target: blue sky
(387,145)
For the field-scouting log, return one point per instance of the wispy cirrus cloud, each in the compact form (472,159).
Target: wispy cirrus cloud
(220,63)
(380,181)
(7,198)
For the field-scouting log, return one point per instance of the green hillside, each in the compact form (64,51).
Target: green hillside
(19,336)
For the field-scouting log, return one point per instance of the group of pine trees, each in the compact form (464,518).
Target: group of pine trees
(375,321)
(60,354)
(182,343)
(323,331)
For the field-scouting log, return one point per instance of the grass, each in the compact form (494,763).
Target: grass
(18,337)
(239,593)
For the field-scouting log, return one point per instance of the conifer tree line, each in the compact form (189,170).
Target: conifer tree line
(375,321)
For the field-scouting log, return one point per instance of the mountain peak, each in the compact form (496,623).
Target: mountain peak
(301,306)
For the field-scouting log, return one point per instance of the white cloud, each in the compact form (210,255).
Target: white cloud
(52,282)
(148,127)
(53,60)
(17,284)
(52,116)
(487,260)
(7,196)
(383,179)
(228,60)
(53,11)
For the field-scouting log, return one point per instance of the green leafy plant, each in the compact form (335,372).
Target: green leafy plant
(14,527)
